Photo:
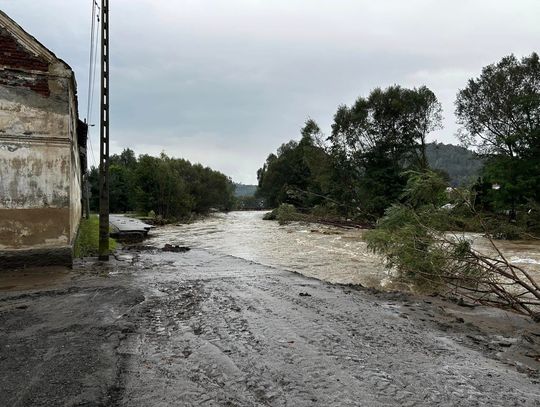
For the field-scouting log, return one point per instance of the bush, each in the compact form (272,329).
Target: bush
(272,215)
(286,213)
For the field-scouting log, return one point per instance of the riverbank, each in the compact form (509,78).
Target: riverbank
(203,328)
(286,213)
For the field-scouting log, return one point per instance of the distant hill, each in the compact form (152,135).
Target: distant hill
(460,164)
(244,190)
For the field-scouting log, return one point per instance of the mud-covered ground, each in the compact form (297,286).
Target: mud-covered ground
(157,328)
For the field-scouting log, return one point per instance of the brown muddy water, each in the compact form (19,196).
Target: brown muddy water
(324,252)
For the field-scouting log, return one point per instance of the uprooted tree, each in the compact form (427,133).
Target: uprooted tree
(414,239)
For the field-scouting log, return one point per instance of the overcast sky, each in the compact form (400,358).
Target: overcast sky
(225,83)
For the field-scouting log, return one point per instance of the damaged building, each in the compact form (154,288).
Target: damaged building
(42,152)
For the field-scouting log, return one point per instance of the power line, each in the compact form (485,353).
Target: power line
(94,35)
(96,42)
(91,59)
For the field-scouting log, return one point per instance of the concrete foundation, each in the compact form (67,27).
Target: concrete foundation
(25,258)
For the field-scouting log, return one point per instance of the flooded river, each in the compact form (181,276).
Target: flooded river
(323,252)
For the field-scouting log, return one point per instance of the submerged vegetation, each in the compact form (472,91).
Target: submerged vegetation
(376,167)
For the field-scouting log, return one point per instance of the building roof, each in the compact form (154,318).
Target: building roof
(45,60)
(29,42)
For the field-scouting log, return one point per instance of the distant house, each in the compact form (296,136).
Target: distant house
(42,152)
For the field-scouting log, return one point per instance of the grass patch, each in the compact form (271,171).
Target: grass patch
(87,243)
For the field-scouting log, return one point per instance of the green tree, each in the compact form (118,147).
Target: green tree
(172,188)
(500,115)
(121,189)
(295,173)
(121,181)
(376,139)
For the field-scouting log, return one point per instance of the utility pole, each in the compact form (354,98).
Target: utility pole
(104,137)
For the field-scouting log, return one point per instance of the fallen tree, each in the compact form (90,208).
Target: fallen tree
(413,238)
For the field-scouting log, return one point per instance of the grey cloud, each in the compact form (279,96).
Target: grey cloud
(226,82)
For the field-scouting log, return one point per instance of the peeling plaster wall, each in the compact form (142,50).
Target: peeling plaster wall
(34,175)
(40,181)
(25,114)
(75,192)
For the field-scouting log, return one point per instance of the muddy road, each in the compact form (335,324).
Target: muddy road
(199,328)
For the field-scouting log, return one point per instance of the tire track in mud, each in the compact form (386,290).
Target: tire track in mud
(59,346)
(376,366)
(170,354)
(221,331)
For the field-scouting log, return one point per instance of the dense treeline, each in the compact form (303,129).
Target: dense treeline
(361,168)
(171,188)
(500,116)
(375,165)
